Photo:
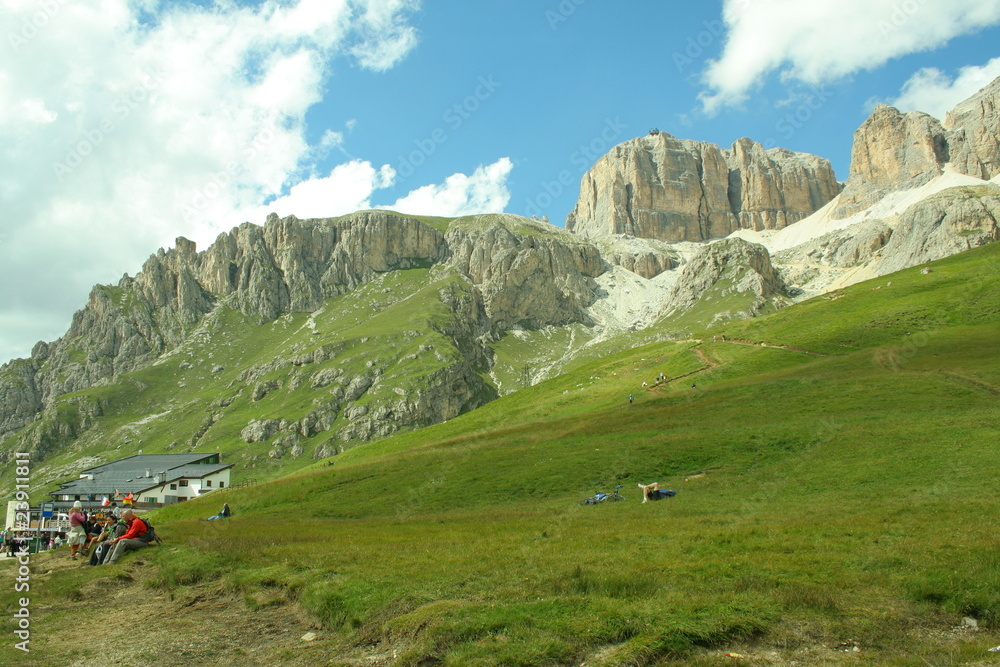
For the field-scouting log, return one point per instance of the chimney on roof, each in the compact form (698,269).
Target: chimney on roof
(147,473)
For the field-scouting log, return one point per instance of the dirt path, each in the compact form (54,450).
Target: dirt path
(702,357)
(790,348)
(971,382)
(710,363)
(890,359)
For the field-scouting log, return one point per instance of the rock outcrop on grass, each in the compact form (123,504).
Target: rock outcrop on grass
(745,267)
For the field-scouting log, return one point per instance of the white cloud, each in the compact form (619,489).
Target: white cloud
(382,17)
(348,188)
(485,191)
(822,40)
(930,90)
(330,140)
(129,128)
(31,111)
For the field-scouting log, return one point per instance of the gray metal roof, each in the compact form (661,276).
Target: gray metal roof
(152,462)
(129,475)
(197,470)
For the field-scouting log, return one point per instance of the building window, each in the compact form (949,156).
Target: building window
(173,487)
(183,482)
(222,485)
(208,483)
(181,499)
(149,499)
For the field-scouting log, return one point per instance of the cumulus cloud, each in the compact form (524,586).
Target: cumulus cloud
(485,191)
(822,40)
(932,91)
(390,38)
(348,188)
(353,185)
(127,123)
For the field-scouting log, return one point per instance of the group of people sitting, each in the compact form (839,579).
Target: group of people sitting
(121,531)
(118,535)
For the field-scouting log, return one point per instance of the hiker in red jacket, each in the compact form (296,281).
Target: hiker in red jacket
(130,541)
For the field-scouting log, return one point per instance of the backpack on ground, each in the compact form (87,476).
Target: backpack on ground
(150,536)
(100,553)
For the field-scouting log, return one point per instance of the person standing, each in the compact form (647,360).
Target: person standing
(77,529)
(8,541)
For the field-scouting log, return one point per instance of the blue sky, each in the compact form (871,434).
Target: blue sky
(126,124)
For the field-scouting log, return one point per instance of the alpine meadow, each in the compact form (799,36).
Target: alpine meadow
(729,410)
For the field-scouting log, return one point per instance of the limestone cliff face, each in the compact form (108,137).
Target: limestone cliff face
(20,395)
(286,265)
(950,222)
(673,190)
(527,280)
(973,128)
(771,189)
(897,151)
(292,265)
(647,264)
(892,151)
(656,187)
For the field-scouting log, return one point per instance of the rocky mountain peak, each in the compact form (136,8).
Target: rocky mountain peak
(892,150)
(519,272)
(974,133)
(897,151)
(669,189)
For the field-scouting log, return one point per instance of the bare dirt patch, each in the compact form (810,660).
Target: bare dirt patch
(120,620)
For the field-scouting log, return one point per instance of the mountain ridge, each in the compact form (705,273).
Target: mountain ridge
(493,302)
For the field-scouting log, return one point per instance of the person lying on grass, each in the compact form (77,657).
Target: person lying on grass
(654,492)
(224,514)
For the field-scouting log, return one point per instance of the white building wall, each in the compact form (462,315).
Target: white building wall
(195,487)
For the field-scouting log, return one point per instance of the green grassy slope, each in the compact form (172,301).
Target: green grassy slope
(198,398)
(838,489)
(522,356)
